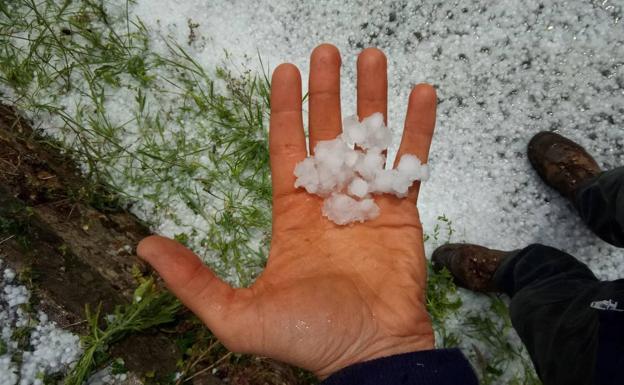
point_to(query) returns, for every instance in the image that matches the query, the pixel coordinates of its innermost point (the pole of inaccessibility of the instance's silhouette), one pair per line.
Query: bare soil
(69, 252)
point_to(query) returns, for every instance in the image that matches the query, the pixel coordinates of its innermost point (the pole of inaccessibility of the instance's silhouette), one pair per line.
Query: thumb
(210, 298)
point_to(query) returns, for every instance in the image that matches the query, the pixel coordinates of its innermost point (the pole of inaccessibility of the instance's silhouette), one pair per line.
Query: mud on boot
(471, 266)
(561, 163)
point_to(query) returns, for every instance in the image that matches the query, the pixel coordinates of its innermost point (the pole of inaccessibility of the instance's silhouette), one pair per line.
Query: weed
(491, 330)
(118, 366)
(14, 221)
(51, 378)
(151, 307)
(442, 296)
(199, 348)
(442, 231)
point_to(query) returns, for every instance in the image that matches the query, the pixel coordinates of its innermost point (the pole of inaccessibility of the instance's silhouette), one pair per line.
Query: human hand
(330, 296)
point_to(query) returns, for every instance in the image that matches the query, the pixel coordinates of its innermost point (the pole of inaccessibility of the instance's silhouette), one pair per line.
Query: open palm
(330, 295)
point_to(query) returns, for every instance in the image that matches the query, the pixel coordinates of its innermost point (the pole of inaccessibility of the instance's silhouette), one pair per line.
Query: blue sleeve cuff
(428, 367)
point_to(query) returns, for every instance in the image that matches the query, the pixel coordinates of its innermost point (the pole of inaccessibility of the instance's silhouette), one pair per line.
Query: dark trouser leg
(551, 293)
(601, 205)
(610, 355)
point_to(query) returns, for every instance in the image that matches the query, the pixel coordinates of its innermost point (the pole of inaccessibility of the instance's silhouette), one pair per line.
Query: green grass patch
(188, 140)
(151, 307)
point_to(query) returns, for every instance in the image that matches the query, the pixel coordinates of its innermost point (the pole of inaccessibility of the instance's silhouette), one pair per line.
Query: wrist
(384, 347)
(435, 366)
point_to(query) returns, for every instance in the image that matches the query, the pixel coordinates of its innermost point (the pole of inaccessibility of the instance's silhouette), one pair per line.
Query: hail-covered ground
(503, 72)
(42, 347)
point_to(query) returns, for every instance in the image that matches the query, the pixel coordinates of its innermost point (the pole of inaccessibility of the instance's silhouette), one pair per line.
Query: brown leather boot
(562, 164)
(472, 266)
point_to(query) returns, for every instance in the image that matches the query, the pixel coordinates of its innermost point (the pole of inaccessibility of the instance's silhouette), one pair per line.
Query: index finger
(419, 126)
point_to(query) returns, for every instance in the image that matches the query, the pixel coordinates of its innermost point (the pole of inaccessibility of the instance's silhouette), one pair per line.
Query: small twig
(9, 163)
(7, 239)
(209, 367)
(198, 360)
(59, 202)
(8, 173)
(71, 210)
(73, 324)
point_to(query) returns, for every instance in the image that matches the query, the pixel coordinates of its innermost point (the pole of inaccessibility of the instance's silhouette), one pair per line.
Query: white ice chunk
(350, 123)
(307, 175)
(358, 187)
(370, 165)
(352, 157)
(352, 130)
(401, 184)
(378, 136)
(371, 133)
(345, 176)
(330, 153)
(384, 181)
(342, 209)
(374, 122)
(409, 165)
